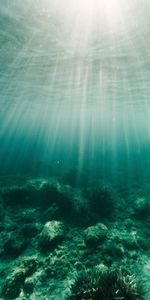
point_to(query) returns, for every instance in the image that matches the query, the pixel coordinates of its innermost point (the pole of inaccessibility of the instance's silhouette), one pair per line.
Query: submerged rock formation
(52, 234)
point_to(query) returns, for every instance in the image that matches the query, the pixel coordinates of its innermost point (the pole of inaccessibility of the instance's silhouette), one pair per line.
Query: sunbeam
(71, 73)
(74, 149)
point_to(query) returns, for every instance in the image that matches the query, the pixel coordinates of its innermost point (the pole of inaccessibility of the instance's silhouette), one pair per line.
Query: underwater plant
(108, 284)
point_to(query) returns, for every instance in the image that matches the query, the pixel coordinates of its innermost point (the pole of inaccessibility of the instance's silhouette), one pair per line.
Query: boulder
(15, 244)
(95, 235)
(28, 285)
(13, 284)
(52, 234)
(142, 208)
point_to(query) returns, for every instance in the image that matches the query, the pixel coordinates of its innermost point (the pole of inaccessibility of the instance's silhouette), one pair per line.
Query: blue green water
(73, 94)
(74, 143)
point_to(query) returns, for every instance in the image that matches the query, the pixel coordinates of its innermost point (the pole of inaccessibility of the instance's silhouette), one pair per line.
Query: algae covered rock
(28, 285)
(101, 200)
(29, 265)
(142, 208)
(19, 278)
(2, 210)
(51, 212)
(95, 235)
(14, 245)
(52, 233)
(13, 284)
(29, 230)
(16, 195)
(57, 265)
(112, 251)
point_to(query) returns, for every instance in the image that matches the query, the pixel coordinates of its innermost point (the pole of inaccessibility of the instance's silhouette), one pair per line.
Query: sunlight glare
(88, 10)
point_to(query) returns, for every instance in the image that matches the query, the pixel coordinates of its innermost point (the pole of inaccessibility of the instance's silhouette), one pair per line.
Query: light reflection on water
(73, 92)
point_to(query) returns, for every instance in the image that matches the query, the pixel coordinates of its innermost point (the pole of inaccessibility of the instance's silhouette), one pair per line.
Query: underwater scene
(74, 150)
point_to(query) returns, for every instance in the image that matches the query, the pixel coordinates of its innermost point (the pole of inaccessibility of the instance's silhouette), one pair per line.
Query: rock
(51, 213)
(18, 279)
(30, 265)
(28, 285)
(51, 234)
(14, 245)
(101, 200)
(57, 265)
(13, 284)
(113, 251)
(9, 225)
(142, 208)
(29, 230)
(81, 212)
(28, 215)
(95, 235)
(130, 242)
(2, 210)
(16, 195)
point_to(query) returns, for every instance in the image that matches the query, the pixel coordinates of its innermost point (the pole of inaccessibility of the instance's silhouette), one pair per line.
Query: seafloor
(61, 240)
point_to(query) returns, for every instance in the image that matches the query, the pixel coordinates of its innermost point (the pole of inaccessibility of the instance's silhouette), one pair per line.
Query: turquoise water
(74, 94)
(75, 106)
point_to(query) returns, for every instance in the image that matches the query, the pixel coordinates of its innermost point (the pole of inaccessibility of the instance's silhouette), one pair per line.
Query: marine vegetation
(107, 284)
